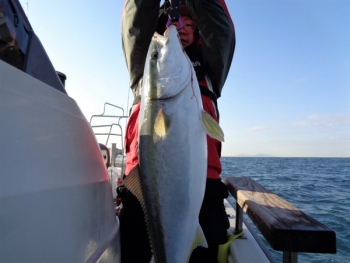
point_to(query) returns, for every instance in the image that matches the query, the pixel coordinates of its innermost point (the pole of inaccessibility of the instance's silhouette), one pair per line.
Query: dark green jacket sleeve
(218, 38)
(139, 22)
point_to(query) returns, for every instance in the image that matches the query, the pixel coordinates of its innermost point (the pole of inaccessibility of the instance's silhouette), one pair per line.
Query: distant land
(256, 155)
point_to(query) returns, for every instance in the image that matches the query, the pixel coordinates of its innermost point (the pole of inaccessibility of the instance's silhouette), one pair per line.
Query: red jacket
(132, 134)
(214, 27)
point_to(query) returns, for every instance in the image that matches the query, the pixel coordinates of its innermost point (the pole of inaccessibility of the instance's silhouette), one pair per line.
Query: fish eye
(154, 55)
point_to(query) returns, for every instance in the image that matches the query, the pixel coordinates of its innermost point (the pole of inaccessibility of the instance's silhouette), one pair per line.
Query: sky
(287, 93)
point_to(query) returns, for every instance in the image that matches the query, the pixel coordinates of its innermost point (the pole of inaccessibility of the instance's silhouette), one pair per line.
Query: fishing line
(194, 95)
(123, 147)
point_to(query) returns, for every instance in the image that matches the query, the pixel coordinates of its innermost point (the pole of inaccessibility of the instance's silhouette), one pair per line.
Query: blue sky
(288, 90)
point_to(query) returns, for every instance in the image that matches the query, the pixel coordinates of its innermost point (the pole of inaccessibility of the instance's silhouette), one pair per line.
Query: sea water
(320, 187)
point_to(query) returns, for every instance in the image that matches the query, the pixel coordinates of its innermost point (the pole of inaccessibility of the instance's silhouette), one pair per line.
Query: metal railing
(285, 227)
(114, 124)
(119, 117)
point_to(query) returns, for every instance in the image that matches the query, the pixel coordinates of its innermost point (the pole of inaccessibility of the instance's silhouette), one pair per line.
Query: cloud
(260, 128)
(327, 120)
(324, 122)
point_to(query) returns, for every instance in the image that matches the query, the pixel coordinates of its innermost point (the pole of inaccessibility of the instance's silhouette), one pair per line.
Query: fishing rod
(174, 12)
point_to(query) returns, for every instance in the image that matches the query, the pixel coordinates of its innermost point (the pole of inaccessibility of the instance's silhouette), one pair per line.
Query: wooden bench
(284, 226)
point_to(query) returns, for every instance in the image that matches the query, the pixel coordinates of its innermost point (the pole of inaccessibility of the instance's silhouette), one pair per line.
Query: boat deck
(244, 249)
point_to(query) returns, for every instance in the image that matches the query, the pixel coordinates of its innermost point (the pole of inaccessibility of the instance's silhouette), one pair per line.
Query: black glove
(122, 192)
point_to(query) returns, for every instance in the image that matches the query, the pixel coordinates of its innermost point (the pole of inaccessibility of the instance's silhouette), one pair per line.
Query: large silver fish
(170, 182)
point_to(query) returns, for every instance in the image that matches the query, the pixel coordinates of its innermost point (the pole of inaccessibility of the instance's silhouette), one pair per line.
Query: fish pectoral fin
(160, 126)
(212, 128)
(199, 240)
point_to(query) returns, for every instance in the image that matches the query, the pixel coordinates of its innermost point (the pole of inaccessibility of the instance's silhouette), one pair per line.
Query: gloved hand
(127, 198)
(121, 191)
(225, 192)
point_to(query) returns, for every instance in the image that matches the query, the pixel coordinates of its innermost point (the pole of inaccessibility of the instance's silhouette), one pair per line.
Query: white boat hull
(55, 194)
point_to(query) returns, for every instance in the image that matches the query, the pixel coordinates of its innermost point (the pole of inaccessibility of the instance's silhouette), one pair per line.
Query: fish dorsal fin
(199, 240)
(133, 183)
(212, 128)
(160, 126)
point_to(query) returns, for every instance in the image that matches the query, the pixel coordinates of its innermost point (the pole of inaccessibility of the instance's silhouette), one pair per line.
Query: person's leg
(134, 242)
(204, 255)
(214, 222)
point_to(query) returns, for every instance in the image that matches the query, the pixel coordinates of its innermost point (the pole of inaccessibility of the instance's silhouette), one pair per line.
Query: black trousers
(135, 245)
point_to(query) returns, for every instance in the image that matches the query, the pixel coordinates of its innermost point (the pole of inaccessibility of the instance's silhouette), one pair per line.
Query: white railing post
(113, 154)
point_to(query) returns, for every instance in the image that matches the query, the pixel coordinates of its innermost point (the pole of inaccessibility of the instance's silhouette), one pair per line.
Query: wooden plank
(284, 226)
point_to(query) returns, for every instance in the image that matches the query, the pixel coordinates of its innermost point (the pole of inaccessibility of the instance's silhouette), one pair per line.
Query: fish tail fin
(225, 248)
(212, 128)
(199, 240)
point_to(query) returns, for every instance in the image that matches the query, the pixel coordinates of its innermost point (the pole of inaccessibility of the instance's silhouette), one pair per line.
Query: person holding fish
(206, 32)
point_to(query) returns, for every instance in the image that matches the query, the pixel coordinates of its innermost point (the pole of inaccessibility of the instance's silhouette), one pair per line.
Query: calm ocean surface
(320, 187)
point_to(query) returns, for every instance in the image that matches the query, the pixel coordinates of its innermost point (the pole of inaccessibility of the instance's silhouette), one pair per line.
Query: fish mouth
(160, 40)
(173, 68)
(173, 28)
(163, 39)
